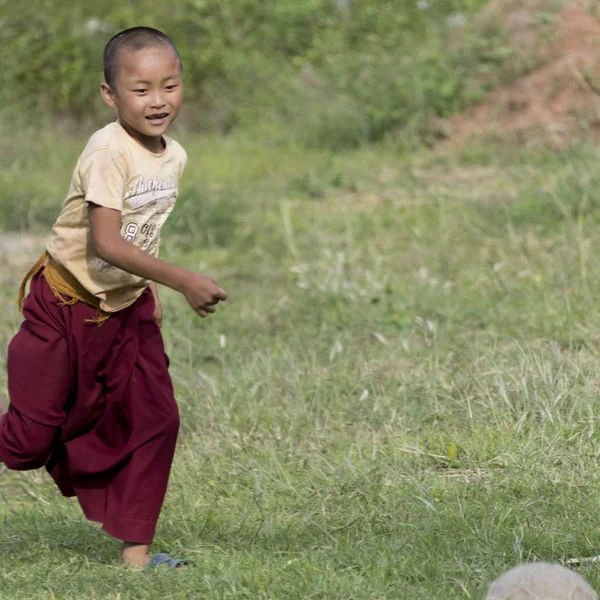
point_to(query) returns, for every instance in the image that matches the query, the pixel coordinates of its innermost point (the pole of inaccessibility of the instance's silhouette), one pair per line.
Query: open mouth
(158, 118)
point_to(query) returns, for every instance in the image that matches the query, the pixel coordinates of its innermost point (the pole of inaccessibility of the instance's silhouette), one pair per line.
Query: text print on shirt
(146, 207)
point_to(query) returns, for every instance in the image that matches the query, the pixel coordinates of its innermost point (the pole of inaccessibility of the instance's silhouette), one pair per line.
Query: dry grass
(399, 401)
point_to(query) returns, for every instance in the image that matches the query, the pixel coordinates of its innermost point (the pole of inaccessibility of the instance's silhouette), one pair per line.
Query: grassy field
(399, 400)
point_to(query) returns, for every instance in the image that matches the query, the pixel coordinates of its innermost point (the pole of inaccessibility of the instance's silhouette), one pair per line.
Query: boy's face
(147, 91)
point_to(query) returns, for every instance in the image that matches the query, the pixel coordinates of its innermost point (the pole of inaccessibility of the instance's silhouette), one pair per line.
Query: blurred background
(321, 75)
(334, 73)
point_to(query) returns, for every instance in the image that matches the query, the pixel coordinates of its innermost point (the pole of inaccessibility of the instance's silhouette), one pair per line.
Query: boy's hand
(202, 293)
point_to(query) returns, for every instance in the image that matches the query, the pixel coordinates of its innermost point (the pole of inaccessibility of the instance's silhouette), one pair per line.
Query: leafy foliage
(334, 73)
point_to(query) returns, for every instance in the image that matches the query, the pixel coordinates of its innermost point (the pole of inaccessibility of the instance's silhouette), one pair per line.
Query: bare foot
(135, 555)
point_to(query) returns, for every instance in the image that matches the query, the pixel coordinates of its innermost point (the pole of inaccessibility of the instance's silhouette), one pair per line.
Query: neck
(154, 144)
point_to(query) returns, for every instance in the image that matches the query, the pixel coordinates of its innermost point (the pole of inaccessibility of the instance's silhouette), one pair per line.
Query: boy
(91, 397)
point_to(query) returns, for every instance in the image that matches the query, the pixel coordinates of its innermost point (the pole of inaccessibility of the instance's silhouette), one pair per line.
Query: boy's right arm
(201, 291)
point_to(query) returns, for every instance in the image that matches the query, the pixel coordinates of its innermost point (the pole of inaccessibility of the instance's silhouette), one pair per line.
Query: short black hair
(135, 38)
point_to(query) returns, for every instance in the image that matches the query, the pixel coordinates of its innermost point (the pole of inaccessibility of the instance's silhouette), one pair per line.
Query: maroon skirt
(95, 406)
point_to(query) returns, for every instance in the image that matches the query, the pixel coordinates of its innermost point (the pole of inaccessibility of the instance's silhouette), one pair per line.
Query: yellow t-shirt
(117, 172)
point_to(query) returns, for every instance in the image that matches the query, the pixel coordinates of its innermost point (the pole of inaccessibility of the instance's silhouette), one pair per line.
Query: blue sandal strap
(168, 561)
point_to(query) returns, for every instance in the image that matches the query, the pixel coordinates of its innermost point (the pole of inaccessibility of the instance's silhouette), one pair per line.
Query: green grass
(399, 400)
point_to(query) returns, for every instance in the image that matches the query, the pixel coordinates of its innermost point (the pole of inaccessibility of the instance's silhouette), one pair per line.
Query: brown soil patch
(561, 97)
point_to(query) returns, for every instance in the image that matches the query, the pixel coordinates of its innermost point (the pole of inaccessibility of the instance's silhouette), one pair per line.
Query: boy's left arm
(158, 311)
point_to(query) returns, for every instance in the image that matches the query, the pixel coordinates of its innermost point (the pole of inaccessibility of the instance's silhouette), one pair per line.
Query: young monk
(90, 394)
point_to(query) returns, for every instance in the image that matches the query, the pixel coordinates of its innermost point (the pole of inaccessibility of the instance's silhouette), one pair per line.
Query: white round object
(541, 581)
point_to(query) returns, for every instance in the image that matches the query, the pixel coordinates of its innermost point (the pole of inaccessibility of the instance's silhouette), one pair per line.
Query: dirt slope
(558, 99)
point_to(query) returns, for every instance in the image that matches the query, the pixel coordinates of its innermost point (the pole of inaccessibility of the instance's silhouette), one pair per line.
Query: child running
(91, 398)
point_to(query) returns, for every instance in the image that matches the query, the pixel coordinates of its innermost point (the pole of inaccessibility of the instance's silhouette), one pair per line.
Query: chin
(158, 131)
(155, 132)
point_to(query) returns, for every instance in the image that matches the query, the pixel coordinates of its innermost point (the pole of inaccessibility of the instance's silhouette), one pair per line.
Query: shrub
(336, 73)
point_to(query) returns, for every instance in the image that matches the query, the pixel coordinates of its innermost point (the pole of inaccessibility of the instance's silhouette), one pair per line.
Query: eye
(140, 91)
(171, 87)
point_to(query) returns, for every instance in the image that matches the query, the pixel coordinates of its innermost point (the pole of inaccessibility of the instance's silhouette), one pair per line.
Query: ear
(108, 95)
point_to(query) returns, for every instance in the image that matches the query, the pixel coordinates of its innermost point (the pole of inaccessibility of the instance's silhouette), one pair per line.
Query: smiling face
(147, 92)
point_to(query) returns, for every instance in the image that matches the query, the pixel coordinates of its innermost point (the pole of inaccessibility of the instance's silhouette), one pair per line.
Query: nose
(156, 101)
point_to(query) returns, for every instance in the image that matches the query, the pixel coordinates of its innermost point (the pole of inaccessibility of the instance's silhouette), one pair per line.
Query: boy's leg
(136, 494)
(137, 434)
(38, 384)
(119, 464)
(24, 444)
(138, 491)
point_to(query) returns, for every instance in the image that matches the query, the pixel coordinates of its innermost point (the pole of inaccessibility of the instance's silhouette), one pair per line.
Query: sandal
(164, 559)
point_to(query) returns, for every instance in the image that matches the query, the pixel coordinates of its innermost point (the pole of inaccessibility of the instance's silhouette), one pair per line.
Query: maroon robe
(95, 406)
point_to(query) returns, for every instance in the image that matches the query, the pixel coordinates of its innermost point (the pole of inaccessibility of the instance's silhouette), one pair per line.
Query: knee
(24, 445)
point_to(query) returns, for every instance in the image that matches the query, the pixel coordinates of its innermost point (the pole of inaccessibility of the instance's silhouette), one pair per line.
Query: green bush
(332, 76)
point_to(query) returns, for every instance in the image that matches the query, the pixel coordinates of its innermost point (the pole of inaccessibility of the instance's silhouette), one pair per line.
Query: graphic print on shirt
(131, 232)
(145, 209)
(140, 193)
